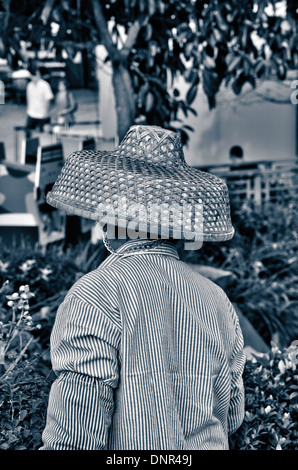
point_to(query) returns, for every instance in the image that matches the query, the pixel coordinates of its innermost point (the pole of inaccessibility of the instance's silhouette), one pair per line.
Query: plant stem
(12, 333)
(17, 360)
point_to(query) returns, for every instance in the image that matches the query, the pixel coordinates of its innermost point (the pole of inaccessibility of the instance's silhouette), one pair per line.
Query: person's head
(35, 73)
(236, 153)
(62, 85)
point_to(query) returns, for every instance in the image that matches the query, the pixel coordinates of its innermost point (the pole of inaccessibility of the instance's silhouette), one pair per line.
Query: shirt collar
(164, 248)
(130, 248)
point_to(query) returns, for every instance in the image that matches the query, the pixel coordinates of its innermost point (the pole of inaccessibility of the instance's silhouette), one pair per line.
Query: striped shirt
(148, 356)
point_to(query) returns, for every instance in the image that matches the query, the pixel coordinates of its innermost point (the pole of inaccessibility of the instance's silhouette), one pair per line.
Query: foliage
(50, 275)
(22, 386)
(271, 403)
(25, 371)
(16, 329)
(23, 405)
(263, 257)
(150, 42)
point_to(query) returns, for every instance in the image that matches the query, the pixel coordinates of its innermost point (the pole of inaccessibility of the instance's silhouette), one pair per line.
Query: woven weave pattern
(152, 144)
(148, 168)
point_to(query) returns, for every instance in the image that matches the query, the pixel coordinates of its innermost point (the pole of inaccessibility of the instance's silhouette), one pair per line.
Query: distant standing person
(65, 106)
(39, 96)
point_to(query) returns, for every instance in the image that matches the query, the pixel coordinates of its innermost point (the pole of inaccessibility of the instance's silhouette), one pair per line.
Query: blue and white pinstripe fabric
(149, 356)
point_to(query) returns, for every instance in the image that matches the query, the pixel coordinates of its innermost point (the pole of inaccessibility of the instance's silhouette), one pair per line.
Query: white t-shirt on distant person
(39, 95)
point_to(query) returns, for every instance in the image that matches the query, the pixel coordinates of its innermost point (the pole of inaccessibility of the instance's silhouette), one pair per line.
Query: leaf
(191, 94)
(188, 49)
(36, 436)
(46, 11)
(151, 7)
(193, 111)
(148, 33)
(149, 102)
(220, 21)
(234, 63)
(4, 446)
(217, 35)
(187, 127)
(263, 360)
(22, 415)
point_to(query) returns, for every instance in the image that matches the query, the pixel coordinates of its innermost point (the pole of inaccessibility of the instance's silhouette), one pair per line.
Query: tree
(149, 42)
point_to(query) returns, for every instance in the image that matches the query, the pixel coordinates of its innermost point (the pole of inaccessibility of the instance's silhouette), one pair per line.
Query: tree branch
(133, 34)
(46, 11)
(103, 29)
(5, 20)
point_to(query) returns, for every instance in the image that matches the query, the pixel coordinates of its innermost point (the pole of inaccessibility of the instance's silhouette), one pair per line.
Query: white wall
(264, 129)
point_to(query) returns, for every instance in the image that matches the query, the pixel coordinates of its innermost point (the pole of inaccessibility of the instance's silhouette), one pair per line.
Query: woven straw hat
(147, 170)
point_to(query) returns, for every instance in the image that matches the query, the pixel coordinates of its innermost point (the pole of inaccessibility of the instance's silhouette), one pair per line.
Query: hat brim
(94, 184)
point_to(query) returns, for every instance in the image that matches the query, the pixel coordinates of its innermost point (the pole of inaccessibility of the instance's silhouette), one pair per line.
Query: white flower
(3, 266)
(27, 265)
(258, 266)
(24, 288)
(267, 409)
(45, 272)
(25, 292)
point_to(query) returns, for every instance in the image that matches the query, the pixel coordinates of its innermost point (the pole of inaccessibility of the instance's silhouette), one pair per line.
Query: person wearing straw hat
(148, 353)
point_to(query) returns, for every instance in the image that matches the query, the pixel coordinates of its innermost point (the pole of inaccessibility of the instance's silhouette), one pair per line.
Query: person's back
(39, 95)
(65, 105)
(180, 349)
(179, 338)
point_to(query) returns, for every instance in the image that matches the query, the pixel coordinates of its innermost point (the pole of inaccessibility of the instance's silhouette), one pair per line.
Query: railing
(265, 181)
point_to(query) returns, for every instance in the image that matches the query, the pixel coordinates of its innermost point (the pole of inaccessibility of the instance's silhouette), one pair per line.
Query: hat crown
(153, 144)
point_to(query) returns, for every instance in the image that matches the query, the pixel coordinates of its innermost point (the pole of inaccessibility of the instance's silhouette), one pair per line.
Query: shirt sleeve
(234, 345)
(49, 95)
(84, 353)
(237, 364)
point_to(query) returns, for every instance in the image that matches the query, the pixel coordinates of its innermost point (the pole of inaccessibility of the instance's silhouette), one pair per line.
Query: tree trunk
(125, 103)
(4, 20)
(6, 7)
(124, 96)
